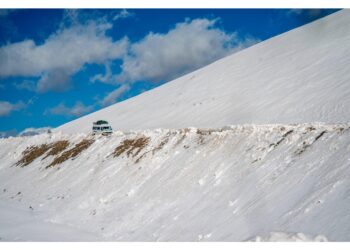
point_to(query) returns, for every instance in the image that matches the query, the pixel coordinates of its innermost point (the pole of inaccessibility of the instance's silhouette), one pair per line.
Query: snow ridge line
(139, 144)
(234, 128)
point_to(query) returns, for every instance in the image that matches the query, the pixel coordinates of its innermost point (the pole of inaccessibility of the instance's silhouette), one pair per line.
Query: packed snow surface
(228, 184)
(299, 76)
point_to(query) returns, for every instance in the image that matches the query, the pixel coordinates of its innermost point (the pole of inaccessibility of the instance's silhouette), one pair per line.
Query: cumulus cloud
(155, 58)
(56, 80)
(122, 15)
(76, 110)
(7, 108)
(113, 96)
(188, 46)
(61, 55)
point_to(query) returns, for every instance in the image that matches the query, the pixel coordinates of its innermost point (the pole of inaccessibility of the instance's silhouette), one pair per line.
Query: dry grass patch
(32, 153)
(78, 148)
(131, 146)
(57, 147)
(164, 141)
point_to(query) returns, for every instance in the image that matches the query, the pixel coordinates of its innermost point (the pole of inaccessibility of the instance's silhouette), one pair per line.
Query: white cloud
(156, 58)
(61, 55)
(57, 80)
(34, 131)
(190, 45)
(113, 96)
(7, 108)
(106, 78)
(122, 15)
(25, 132)
(77, 110)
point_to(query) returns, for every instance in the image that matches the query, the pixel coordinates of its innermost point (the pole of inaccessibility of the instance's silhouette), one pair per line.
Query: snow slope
(299, 76)
(161, 180)
(228, 184)
(19, 223)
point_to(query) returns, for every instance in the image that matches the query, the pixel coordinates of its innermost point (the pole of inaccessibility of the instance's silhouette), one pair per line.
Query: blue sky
(57, 65)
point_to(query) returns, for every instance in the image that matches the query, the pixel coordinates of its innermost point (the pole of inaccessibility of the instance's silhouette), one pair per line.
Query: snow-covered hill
(233, 183)
(160, 179)
(300, 76)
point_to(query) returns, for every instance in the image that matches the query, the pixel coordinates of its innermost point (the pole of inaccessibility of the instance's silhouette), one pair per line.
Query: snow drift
(226, 184)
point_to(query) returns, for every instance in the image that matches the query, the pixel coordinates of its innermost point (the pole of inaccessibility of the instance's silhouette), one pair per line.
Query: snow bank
(225, 184)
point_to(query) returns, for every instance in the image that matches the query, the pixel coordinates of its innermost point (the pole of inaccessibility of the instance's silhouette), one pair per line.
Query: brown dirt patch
(32, 153)
(57, 147)
(131, 146)
(78, 148)
(164, 141)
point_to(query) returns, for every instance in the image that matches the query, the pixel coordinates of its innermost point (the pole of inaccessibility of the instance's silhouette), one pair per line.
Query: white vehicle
(101, 127)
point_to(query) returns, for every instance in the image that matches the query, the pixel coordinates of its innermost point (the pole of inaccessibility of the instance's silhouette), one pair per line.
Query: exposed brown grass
(32, 153)
(57, 147)
(164, 141)
(131, 146)
(78, 148)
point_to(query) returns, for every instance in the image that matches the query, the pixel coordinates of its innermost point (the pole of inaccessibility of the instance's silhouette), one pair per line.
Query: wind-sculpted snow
(227, 184)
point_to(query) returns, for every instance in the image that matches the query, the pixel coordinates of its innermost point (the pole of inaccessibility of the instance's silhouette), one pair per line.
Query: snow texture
(174, 170)
(228, 184)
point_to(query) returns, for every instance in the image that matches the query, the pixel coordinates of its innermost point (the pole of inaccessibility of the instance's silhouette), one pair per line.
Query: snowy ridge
(226, 184)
